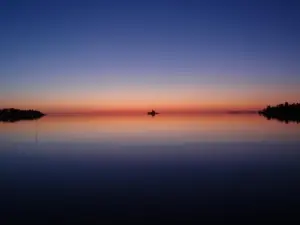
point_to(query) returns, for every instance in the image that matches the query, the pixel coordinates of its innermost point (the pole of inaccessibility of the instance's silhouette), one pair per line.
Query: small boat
(152, 113)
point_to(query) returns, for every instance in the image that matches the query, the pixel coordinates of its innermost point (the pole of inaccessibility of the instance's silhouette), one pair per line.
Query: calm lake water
(103, 169)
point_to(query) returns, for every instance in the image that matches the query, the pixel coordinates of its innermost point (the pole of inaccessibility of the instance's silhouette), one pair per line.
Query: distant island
(13, 115)
(242, 112)
(283, 112)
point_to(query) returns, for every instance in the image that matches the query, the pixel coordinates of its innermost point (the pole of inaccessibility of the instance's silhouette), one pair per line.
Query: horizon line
(117, 111)
(140, 112)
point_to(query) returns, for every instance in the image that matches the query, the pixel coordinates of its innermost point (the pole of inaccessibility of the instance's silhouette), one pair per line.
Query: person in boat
(152, 113)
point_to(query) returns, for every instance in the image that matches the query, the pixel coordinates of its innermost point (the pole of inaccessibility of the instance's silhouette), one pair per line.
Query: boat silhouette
(152, 113)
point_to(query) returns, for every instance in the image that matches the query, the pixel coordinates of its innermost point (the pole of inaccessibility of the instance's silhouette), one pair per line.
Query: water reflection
(283, 119)
(164, 129)
(164, 167)
(14, 120)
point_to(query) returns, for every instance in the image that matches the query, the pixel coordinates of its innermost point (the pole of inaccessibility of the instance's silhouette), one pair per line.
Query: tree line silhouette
(13, 115)
(283, 112)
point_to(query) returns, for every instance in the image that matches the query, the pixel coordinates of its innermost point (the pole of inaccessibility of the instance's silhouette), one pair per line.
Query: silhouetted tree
(284, 112)
(12, 115)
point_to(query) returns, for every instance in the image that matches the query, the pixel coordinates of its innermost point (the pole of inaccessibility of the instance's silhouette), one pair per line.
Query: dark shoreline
(14, 115)
(283, 112)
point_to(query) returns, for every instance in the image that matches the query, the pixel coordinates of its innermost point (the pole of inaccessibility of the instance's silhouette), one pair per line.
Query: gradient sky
(71, 56)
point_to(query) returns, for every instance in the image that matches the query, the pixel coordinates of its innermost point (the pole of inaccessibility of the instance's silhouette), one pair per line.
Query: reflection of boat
(152, 113)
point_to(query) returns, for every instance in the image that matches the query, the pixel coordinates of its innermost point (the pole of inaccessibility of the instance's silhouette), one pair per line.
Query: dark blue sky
(192, 53)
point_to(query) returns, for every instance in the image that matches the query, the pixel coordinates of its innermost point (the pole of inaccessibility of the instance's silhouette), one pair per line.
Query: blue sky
(99, 54)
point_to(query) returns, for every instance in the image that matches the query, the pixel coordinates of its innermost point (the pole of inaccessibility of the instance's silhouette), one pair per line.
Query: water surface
(100, 169)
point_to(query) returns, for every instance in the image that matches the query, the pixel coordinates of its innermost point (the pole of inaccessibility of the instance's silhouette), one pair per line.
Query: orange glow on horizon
(208, 98)
(138, 109)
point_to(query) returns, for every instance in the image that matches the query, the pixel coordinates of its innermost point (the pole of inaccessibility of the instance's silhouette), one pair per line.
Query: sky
(92, 56)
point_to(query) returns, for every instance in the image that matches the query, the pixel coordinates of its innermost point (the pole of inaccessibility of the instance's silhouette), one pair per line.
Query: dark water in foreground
(229, 169)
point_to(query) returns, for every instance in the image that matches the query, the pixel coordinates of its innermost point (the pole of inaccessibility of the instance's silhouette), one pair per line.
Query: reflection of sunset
(143, 128)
